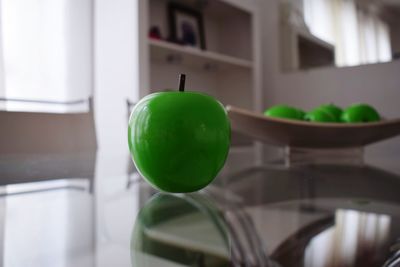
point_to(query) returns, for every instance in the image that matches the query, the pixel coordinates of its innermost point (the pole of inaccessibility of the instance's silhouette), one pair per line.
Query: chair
(41, 146)
(34, 132)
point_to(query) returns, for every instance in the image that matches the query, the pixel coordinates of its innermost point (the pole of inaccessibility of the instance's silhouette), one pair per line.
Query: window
(46, 54)
(359, 36)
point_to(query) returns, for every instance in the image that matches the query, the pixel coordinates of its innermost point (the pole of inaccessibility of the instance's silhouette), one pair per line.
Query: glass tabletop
(97, 211)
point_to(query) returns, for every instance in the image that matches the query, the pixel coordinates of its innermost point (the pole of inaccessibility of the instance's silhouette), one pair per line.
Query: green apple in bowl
(285, 112)
(333, 109)
(179, 140)
(358, 113)
(320, 115)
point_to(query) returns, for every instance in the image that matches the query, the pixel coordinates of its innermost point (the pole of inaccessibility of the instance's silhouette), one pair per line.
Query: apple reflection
(184, 230)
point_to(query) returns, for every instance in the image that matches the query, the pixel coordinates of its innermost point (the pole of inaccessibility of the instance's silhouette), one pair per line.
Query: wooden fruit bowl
(293, 133)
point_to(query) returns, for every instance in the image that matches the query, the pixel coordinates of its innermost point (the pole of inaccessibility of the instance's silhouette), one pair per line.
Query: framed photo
(186, 26)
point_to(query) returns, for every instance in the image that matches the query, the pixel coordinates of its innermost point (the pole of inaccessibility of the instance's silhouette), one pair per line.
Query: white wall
(2, 82)
(116, 79)
(116, 67)
(377, 84)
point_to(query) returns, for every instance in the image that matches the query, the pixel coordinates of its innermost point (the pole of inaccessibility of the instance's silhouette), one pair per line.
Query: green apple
(333, 109)
(302, 114)
(284, 111)
(320, 115)
(360, 113)
(179, 140)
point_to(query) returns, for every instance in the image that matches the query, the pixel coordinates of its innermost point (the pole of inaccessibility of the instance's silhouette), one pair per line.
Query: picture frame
(186, 26)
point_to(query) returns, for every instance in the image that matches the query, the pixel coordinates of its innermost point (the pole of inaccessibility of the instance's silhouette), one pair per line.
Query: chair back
(35, 132)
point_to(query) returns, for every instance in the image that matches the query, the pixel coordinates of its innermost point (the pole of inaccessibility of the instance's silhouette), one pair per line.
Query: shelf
(301, 50)
(194, 57)
(312, 38)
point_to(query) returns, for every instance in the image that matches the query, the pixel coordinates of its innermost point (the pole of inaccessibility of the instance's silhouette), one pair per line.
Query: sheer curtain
(318, 16)
(375, 34)
(346, 33)
(45, 49)
(359, 36)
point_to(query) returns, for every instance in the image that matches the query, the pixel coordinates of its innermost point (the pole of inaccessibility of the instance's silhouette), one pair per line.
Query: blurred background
(55, 55)
(71, 71)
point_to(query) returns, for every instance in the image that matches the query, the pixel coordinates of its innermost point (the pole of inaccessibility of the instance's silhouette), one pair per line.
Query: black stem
(182, 79)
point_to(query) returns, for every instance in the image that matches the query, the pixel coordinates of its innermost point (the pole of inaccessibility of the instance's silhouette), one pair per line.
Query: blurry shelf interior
(227, 69)
(194, 57)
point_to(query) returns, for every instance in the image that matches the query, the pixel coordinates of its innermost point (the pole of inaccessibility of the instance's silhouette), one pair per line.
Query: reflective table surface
(95, 210)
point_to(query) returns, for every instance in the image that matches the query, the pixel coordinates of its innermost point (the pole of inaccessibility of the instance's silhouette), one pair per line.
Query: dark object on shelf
(155, 33)
(186, 26)
(175, 41)
(188, 34)
(396, 55)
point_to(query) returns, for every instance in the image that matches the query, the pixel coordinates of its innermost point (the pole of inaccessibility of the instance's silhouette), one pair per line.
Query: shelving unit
(230, 67)
(193, 57)
(300, 49)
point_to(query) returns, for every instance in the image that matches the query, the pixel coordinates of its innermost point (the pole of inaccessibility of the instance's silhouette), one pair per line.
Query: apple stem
(182, 79)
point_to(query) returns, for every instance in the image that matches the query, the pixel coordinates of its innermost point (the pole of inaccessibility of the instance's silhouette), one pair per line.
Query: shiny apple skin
(359, 113)
(284, 112)
(320, 115)
(179, 141)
